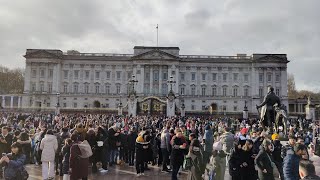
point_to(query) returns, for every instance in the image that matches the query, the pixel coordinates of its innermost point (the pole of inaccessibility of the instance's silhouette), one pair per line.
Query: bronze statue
(268, 113)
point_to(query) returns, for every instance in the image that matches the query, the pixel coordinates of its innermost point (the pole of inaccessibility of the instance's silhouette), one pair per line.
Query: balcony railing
(98, 54)
(214, 57)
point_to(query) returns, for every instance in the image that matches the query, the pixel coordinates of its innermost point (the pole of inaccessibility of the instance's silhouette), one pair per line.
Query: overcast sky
(209, 27)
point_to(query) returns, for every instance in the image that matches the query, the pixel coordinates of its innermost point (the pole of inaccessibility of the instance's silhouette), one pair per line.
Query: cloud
(220, 27)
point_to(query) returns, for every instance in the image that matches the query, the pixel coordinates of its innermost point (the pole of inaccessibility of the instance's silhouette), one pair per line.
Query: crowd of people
(205, 147)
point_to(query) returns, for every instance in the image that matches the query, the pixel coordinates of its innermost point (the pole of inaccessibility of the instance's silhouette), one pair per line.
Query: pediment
(272, 58)
(155, 54)
(42, 54)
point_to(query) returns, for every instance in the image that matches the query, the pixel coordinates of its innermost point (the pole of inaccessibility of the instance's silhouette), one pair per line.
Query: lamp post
(132, 81)
(58, 104)
(171, 82)
(120, 106)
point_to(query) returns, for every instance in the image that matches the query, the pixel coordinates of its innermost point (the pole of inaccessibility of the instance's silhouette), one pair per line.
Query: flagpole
(157, 35)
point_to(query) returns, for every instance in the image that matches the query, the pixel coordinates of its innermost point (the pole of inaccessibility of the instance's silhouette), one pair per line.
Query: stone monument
(310, 110)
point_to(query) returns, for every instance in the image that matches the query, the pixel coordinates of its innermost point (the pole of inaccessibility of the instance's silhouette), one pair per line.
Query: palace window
(155, 75)
(108, 74)
(214, 91)
(97, 75)
(42, 74)
(261, 77)
(260, 92)
(224, 91)
(87, 73)
(118, 86)
(75, 105)
(193, 90)
(182, 76)
(193, 76)
(277, 91)
(246, 92)
(235, 108)
(269, 77)
(235, 91)
(50, 73)
(75, 88)
(118, 75)
(97, 88)
(203, 107)
(165, 76)
(214, 77)
(277, 77)
(76, 74)
(50, 87)
(246, 77)
(203, 91)
(34, 73)
(182, 90)
(86, 88)
(65, 72)
(33, 87)
(193, 107)
(65, 88)
(235, 77)
(224, 77)
(41, 87)
(204, 75)
(164, 89)
(107, 89)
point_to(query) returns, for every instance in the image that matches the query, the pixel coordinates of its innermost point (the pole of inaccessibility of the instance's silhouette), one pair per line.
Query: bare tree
(11, 80)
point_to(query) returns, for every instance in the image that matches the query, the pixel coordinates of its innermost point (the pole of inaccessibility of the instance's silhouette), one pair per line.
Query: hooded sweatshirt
(49, 146)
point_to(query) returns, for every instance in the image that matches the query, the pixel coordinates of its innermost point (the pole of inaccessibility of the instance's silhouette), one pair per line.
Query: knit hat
(274, 136)
(266, 142)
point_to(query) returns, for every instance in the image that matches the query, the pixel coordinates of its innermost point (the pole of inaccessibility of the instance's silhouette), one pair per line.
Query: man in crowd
(307, 171)
(291, 162)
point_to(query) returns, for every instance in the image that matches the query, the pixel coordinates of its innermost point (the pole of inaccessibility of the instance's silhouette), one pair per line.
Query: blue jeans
(113, 153)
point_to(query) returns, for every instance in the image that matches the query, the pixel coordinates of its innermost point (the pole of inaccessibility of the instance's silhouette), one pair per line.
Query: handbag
(85, 149)
(22, 174)
(275, 170)
(187, 164)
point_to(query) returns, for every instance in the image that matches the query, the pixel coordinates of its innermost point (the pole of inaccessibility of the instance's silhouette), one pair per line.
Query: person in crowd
(13, 162)
(288, 148)
(247, 169)
(276, 154)
(65, 158)
(197, 169)
(165, 148)
(257, 143)
(132, 136)
(291, 162)
(307, 170)
(99, 144)
(25, 141)
(41, 134)
(113, 137)
(264, 161)
(142, 144)
(235, 161)
(49, 146)
(6, 140)
(78, 166)
(179, 145)
(216, 167)
(227, 140)
(207, 143)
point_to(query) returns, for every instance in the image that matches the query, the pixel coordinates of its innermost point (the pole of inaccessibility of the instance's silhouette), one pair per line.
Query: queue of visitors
(72, 145)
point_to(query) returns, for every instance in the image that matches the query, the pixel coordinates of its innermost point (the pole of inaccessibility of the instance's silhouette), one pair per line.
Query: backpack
(22, 174)
(85, 149)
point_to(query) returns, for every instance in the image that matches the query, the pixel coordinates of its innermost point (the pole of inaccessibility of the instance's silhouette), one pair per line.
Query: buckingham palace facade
(222, 84)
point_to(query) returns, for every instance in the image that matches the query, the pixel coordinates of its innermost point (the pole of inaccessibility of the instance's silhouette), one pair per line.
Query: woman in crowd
(235, 161)
(142, 145)
(65, 160)
(197, 161)
(49, 147)
(264, 161)
(217, 162)
(179, 145)
(25, 142)
(13, 162)
(78, 166)
(247, 169)
(276, 154)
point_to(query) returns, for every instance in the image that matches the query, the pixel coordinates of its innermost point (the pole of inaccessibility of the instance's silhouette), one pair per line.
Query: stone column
(151, 80)
(11, 102)
(132, 106)
(120, 109)
(160, 80)
(27, 77)
(19, 101)
(3, 101)
(171, 104)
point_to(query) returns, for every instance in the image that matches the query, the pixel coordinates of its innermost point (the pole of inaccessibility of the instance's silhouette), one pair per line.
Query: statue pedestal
(183, 113)
(120, 110)
(310, 113)
(245, 114)
(171, 108)
(132, 107)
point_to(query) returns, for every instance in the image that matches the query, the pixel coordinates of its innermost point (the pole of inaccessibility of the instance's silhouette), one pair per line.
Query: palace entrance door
(152, 106)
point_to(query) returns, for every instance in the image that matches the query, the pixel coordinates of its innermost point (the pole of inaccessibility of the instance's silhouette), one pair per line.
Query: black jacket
(6, 147)
(276, 154)
(311, 177)
(263, 162)
(132, 140)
